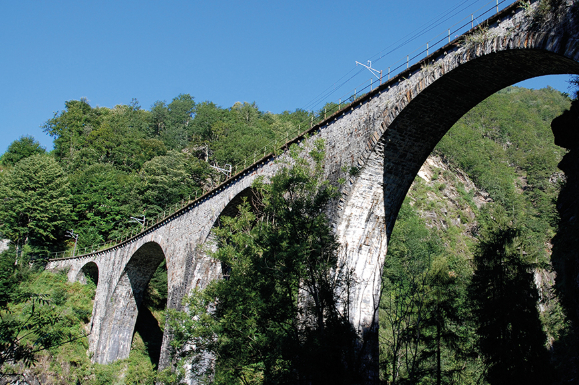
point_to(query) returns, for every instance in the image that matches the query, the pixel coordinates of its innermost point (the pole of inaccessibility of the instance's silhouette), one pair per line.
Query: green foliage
(511, 337)
(170, 122)
(32, 323)
(102, 197)
(506, 146)
(517, 122)
(19, 149)
(126, 161)
(424, 330)
(29, 331)
(35, 208)
(8, 278)
(166, 179)
(157, 292)
(71, 126)
(48, 334)
(278, 317)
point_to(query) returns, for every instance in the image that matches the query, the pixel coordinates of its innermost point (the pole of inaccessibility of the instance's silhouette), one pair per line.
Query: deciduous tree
(279, 316)
(35, 206)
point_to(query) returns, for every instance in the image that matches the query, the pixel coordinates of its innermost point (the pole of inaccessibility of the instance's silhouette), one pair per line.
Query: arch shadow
(231, 210)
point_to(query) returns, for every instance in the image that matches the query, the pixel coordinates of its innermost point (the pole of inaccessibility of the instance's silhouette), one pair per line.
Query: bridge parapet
(426, 63)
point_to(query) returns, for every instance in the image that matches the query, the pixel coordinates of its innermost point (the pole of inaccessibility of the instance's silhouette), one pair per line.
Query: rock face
(4, 244)
(386, 135)
(566, 243)
(451, 196)
(565, 255)
(566, 128)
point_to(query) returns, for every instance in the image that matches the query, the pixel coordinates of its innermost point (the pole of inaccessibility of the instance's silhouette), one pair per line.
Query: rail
(326, 115)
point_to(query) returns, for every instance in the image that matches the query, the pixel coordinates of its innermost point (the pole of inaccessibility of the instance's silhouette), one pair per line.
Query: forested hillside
(109, 164)
(487, 194)
(493, 180)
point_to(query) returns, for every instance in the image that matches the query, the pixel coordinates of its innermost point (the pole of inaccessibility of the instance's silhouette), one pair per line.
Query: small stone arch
(88, 273)
(118, 325)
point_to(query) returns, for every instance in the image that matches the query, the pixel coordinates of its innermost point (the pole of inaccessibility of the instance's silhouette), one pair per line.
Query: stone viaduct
(387, 134)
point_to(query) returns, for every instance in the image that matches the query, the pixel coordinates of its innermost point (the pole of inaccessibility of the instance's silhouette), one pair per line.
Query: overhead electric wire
(462, 26)
(434, 24)
(425, 28)
(318, 100)
(323, 95)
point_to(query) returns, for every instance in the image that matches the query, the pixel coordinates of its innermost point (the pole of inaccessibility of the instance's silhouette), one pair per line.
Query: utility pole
(72, 234)
(139, 221)
(373, 71)
(224, 170)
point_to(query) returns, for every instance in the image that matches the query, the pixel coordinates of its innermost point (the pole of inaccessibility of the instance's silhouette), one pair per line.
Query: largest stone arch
(386, 135)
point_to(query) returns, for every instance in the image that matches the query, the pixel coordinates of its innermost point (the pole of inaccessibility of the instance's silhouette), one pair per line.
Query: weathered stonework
(387, 134)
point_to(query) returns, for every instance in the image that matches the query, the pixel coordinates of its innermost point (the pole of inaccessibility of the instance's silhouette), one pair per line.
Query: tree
(121, 139)
(511, 337)
(425, 333)
(279, 316)
(447, 334)
(35, 206)
(170, 122)
(403, 306)
(70, 127)
(206, 114)
(22, 148)
(29, 322)
(166, 180)
(28, 332)
(103, 199)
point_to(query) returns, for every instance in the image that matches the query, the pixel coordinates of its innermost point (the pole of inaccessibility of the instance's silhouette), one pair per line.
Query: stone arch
(90, 271)
(231, 209)
(421, 124)
(118, 325)
(427, 105)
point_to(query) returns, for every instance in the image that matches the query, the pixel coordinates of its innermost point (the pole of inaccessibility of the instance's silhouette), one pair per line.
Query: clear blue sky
(282, 55)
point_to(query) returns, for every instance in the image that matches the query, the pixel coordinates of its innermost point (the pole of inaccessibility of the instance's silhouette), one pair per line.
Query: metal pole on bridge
(72, 234)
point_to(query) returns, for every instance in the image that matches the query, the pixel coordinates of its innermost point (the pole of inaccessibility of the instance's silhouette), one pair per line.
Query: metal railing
(421, 54)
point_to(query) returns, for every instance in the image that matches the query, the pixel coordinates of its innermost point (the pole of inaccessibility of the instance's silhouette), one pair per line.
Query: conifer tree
(19, 149)
(505, 297)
